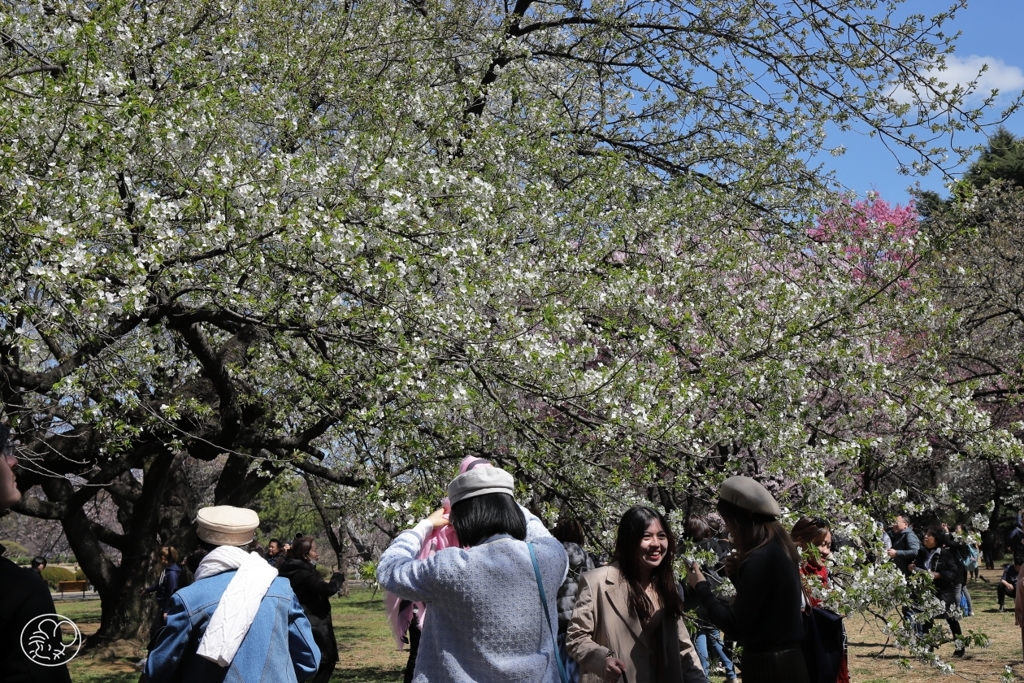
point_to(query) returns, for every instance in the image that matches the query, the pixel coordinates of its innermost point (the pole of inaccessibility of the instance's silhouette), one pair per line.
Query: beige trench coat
(601, 622)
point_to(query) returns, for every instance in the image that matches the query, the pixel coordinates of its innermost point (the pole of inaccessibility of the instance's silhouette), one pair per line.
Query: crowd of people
(623, 620)
(481, 591)
(263, 615)
(554, 619)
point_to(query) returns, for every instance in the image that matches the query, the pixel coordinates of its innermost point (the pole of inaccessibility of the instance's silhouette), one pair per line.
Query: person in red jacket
(813, 537)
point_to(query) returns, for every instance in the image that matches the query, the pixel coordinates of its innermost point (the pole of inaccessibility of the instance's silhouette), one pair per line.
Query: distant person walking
(765, 615)
(1015, 539)
(38, 564)
(905, 544)
(165, 586)
(628, 620)
(23, 593)
(314, 595)
(239, 621)
(488, 617)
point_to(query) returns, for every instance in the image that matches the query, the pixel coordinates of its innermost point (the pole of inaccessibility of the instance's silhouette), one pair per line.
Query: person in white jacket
(484, 620)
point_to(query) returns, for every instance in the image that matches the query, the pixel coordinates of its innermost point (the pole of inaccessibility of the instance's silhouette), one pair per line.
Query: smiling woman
(631, 609)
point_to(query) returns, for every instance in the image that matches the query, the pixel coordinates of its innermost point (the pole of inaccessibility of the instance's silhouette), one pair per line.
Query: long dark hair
(752, 530)
(170, 553)
(569, 530)
(632, 527)
(810, 531)
(697, 529)
(478, 518)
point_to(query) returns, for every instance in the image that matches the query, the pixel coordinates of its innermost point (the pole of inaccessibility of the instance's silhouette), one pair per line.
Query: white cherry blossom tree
(361, 240)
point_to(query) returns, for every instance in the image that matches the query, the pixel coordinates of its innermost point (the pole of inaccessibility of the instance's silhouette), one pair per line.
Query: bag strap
(547, 615)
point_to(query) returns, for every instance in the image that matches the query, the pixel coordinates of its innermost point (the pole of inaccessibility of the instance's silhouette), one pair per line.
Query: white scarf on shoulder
(238, 605)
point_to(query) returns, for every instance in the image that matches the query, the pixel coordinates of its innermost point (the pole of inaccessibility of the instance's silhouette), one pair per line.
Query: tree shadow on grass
(368, 674)
(87, 676)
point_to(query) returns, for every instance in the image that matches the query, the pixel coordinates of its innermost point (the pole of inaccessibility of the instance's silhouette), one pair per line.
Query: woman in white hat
(239, 621)
(486, 618)
(765, 615)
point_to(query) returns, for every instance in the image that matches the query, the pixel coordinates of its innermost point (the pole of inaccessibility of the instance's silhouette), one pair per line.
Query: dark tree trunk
(362, 549)
(127, 615)
(126, 612)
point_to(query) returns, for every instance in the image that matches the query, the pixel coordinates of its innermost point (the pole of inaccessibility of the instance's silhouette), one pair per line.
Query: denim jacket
(279, 646)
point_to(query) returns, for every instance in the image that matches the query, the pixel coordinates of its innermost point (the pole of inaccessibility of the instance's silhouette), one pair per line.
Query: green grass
(80, 611)
(81, 674)
(366, 648)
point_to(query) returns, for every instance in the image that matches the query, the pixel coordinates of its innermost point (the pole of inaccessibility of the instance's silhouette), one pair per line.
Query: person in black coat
(569, 532)
(948, 575)
(23, 594)
(314, 595)
(765, 615)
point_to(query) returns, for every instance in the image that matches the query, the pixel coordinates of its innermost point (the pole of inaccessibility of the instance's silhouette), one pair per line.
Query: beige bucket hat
(227, 525)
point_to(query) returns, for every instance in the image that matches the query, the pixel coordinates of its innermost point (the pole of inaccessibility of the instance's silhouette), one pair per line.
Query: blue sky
(991, 32)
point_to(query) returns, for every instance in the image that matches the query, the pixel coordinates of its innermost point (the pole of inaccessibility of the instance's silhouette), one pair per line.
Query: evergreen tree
(1002, 159)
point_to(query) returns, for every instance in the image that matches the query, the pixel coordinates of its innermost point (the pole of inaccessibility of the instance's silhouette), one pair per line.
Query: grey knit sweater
(484, 622)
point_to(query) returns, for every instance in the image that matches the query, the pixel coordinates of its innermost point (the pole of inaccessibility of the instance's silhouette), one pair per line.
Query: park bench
(72, 586)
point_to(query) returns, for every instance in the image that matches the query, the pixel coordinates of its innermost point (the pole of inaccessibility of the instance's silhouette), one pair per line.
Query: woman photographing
(627, 624)
(765, 615)
(487, 618)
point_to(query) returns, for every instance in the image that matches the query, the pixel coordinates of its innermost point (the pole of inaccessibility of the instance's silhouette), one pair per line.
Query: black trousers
(1002, 592)
(414, 647)
(954, 627)
(328, 656)
(781, 666)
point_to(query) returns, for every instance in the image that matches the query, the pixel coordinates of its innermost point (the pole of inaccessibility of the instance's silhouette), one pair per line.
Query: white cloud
(1007, 79)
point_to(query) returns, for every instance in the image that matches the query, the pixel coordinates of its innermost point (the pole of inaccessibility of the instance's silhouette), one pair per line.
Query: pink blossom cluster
(872, 232)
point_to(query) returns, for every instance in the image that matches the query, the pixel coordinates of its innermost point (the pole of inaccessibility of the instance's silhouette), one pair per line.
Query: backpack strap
(547, 615)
